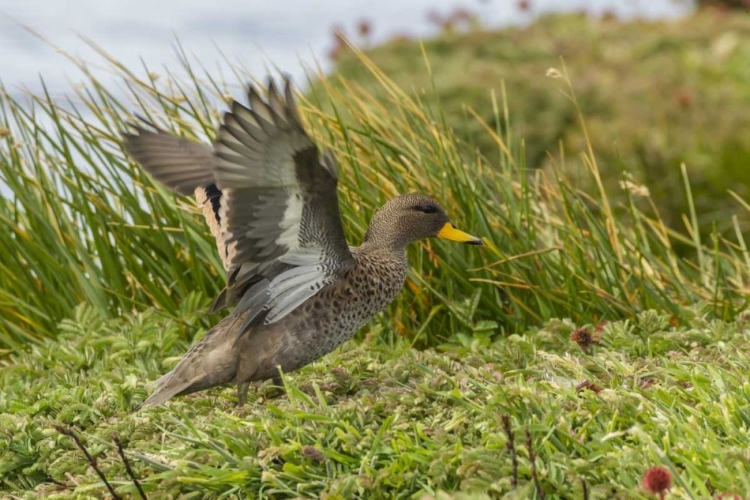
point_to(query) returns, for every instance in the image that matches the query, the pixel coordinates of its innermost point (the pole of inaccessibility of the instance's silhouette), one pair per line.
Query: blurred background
(661, 82)
(255, 33)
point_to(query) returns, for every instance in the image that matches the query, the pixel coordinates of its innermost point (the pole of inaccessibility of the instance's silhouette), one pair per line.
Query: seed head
(584, 338)
(587, 384)
(364, 28)
(657, 480)
(313, 453)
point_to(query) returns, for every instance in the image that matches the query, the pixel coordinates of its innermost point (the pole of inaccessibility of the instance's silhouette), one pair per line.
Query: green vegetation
(106, 279)
(655, 95)
(85, 225)
(374, 421)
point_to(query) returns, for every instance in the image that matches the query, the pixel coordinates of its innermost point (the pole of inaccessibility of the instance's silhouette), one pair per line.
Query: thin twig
(511, 449)
(92, 460)
(534, 475)
(710, 487)
(125, 461)
(58, 483)
(585, 489)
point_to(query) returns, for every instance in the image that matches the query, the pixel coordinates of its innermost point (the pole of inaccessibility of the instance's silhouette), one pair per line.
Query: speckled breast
(338, 311)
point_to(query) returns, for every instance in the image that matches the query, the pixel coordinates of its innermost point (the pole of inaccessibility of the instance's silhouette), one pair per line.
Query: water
(255, 32)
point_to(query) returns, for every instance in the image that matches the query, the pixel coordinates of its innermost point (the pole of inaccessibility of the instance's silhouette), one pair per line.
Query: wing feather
(270, 199)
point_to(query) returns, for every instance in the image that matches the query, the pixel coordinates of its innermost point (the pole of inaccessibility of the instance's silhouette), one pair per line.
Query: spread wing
(181, 164)
(273, 200)
(178, 163)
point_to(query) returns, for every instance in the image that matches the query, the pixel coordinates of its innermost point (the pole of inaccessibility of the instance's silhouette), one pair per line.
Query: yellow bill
(450, 232)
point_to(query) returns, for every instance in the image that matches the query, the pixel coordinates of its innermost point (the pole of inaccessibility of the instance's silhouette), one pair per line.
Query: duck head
(412, 217)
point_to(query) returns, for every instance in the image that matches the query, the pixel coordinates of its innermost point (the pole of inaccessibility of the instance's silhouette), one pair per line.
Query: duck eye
(428, 209)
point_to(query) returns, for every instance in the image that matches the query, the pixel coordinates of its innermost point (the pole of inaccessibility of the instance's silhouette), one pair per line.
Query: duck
(269, 196)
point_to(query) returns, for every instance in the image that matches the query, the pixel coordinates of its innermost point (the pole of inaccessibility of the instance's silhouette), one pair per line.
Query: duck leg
(242, 389)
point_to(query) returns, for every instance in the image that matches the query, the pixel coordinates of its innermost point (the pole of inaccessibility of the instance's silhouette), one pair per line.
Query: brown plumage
(270, 199)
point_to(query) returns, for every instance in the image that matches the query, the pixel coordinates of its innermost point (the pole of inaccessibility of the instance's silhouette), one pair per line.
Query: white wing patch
(295, 277)
(290, 223)
(293, 287)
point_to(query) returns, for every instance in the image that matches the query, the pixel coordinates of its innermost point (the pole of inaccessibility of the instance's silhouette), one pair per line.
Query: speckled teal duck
(297, 288)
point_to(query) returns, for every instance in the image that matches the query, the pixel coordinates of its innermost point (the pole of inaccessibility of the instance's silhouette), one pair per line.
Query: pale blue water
(251, 31)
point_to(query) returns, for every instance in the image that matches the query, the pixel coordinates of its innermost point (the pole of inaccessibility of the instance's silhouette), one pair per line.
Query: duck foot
(273, 391)
(276, 389)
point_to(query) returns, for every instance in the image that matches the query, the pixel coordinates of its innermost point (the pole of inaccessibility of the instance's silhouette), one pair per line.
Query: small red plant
(657, 480)
(312, 453)
(582, 337)
(339, 43)
(587, 384)
(364, 28)
(585, 339)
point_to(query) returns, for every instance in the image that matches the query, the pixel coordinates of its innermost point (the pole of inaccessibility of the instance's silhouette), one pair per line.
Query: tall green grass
(83, 224)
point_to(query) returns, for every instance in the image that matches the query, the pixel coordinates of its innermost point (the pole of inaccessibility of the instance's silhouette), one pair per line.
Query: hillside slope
(654, 94)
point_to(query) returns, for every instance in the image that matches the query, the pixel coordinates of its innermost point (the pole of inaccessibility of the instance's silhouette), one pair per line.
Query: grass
(108, 278)
(373, 421)
(83, 224)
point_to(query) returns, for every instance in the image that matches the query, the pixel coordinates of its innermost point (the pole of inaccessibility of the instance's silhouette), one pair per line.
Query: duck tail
(165, 391)
(210, 363)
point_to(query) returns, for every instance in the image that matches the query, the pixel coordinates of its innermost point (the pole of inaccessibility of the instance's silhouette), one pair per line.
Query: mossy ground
(376, 421)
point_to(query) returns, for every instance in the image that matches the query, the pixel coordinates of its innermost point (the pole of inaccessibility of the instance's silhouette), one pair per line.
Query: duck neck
(388, 240)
